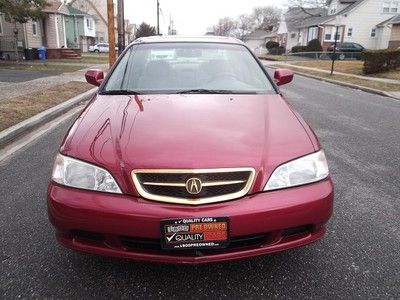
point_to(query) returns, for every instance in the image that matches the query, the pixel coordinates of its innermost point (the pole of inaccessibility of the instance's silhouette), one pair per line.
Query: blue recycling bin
(42, 53)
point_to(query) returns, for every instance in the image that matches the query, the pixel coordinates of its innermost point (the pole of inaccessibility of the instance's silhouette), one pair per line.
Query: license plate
(195, 233)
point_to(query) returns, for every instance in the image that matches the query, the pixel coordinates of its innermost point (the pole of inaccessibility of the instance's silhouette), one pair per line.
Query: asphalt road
(358, 259)
(10, 75)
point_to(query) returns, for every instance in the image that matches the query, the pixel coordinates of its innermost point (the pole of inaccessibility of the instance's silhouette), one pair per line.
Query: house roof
(74, 11)
(297, 17)
(257, 35)
(395, 20)
(301, 19)
(52, 6)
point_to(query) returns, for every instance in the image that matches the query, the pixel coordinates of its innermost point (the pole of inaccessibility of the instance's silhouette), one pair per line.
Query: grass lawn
(389, 87)
(15, 110)
(38, 66)
(351, 67)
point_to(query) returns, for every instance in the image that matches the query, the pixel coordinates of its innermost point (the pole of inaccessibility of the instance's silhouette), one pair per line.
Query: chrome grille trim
(141, 186)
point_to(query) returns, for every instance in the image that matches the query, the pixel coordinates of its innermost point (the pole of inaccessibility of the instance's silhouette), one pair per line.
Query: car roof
(186, 39)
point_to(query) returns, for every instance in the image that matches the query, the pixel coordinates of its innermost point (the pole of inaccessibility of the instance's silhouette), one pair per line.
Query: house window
(312, 33)
(89, 23)
(391, 7)
(349, 32)
(34, 28)
(373, 32)
(330, 32)
(292, 36)
(394, 8)
(1, 25)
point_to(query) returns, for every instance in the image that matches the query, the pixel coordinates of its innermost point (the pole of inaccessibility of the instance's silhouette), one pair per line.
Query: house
(293, 27)
(50, 32)
(80, 29)
(366, 22)
(394, 40)
(98, 10)
(257, 39)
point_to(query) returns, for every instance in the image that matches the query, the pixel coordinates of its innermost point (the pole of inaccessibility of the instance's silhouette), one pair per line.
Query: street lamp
(338, 22)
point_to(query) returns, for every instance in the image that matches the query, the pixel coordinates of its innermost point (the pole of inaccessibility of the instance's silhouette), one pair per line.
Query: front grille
(155, 245)
(195, 186)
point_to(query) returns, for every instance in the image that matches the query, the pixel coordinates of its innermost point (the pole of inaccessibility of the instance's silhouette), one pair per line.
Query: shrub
(376, 61)
(277, 50)
(314, 46)
(297, 49)
(271, 45)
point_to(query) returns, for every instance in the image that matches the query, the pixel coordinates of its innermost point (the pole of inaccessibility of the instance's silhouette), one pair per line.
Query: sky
(191, 17)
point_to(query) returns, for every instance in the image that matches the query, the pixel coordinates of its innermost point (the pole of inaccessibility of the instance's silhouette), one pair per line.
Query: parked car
(101, 48)
(192, 157)
(346, 50)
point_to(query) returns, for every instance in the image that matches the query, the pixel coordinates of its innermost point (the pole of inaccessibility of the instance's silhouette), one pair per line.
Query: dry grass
(389, 87)
(350, 67)
(273, 57)
(20, 108)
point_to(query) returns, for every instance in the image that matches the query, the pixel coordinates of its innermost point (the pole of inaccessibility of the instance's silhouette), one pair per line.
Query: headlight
(307, 169)
(75, 173)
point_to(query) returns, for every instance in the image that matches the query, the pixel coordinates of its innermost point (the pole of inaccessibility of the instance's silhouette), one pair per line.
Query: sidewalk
(10, 90)
(395, 94)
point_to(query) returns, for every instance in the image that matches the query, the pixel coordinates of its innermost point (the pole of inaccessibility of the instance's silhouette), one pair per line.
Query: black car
(346, 50)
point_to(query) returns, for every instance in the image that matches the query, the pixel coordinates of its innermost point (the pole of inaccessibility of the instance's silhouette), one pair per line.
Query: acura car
(189, 153)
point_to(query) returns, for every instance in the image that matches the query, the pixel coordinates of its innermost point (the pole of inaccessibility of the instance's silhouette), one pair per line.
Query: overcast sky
(190, 16)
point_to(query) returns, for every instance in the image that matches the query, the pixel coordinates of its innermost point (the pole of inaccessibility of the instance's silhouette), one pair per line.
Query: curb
(349, 85)
(10, 134)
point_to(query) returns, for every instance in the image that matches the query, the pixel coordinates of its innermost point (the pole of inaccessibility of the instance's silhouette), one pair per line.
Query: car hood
(122, 133)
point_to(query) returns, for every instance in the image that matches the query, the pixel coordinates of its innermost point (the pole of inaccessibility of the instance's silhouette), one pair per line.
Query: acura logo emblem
(194, 186)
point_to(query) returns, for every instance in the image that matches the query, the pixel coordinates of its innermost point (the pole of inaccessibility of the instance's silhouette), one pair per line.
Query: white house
(257, 40)
(366, 22)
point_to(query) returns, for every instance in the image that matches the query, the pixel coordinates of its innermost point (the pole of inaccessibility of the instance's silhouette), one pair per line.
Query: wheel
(342, 56)
(96, 51)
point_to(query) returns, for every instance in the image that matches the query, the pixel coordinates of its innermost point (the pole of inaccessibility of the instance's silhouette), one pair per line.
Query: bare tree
(245, 24)
(225, 27)
(266, 17)
(306, 5)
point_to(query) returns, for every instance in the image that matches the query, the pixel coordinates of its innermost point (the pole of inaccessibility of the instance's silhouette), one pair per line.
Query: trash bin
(28, 53)
(42, 53)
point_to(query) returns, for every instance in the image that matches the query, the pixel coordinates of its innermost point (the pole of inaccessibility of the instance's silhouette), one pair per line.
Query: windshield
(188, 67)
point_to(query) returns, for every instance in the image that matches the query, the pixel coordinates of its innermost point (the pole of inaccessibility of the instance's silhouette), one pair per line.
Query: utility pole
(121, 27)
(111, 32)
(158, 17)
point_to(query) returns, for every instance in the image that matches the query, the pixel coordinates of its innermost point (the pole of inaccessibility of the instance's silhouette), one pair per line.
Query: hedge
(297, 49)
(271, 45)
(376, 61)
(314, 46)
(277, 50)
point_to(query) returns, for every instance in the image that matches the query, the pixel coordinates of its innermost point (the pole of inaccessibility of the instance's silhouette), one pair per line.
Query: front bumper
(128, 227)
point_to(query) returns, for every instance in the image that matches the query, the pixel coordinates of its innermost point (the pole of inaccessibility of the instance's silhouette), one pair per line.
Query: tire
(97, 51)
(342, 57)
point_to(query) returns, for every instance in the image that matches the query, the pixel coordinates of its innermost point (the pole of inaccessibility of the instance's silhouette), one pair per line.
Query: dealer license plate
(195, 233)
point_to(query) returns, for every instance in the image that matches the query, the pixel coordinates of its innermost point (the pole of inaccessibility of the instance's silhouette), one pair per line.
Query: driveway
(358, 259)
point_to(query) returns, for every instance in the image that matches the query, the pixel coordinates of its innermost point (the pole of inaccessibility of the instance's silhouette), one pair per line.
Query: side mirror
(283, 76)
(94, 77)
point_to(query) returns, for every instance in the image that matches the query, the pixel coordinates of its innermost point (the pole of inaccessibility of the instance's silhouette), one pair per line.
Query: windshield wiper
(205, 91)
(120, 92)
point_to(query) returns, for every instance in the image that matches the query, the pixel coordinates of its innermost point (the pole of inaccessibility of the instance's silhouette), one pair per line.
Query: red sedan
(188, 153)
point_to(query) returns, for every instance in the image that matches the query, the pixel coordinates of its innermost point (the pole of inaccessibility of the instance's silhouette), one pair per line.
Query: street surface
(358, 259)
